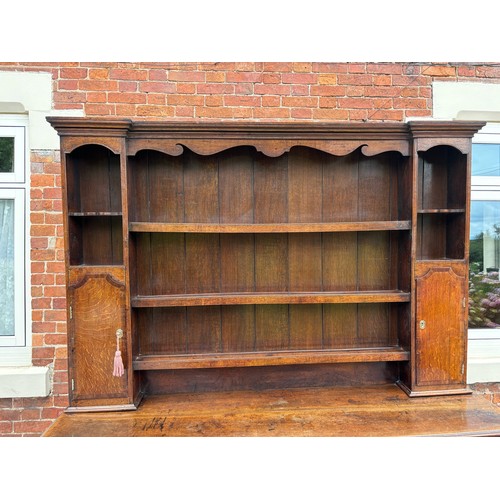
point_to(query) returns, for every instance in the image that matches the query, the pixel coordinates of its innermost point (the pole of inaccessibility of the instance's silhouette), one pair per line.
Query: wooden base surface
(339, 411)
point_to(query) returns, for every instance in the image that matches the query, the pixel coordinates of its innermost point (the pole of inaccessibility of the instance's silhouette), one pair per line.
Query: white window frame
(19, 337)
(18, 133)
(486, 188)
(16, 350)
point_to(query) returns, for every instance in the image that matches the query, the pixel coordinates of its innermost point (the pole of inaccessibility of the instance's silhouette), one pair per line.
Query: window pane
(6, 267)
(6, 154)
(486, 159)
(484, 294)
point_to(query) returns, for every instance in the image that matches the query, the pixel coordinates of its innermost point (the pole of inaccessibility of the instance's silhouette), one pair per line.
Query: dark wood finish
(278, 246)
(341, 411)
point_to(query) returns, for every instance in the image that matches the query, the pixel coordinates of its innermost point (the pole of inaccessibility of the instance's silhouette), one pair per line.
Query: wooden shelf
(441, 211)
(275, 358)
(215, 299)
(95, 214)
(161, 227)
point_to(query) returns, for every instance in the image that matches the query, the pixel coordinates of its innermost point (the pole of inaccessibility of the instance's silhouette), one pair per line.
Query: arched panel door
(96, 313)
(440, 328)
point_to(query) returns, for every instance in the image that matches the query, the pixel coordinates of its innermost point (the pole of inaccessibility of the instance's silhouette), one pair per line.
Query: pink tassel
(118, 369)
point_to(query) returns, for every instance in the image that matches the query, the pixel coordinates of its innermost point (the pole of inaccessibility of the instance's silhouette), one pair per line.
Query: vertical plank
(165, 188)
(373, 325)
(305, 262)
(142, 263)
(340, 188)
(201, 188)
(271, 262)
(237, 255)
(138, 187)
(164, 331)
(167, 263)
(203, 329)
(270, 189)
(238, 328)
(236, 186)
(271, 327)
(374, 182)
(340, 262)
(340, 326)
(305, 179)
(202, 263)
(306, 327)
(374, 263)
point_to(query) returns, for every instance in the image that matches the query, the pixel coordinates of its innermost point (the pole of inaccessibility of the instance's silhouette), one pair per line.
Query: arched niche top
(71, 144)
(273, 149)
(462, 146)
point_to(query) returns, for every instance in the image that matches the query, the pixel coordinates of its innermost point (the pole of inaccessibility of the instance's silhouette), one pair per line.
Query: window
(12, 233)
(484, 294)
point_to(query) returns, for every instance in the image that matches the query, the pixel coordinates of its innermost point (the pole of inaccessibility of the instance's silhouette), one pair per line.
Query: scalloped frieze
(271, 148)
(461, 144)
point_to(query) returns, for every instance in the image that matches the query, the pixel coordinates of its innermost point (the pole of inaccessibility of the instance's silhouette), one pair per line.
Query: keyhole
(422, 324)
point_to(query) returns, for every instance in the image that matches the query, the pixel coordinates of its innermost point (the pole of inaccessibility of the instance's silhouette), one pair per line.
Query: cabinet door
(440, 328)
(97, 304)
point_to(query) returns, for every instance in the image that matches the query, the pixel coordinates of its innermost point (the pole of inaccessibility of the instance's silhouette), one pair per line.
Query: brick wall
(187, 91)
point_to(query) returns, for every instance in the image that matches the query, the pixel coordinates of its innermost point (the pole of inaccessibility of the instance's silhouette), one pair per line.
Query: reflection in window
(484, 292)
(6, 154)
(486, 159)
(7, 268)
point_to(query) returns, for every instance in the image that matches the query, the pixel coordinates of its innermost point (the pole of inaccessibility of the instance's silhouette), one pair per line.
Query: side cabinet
(440, 330)
(97, 311)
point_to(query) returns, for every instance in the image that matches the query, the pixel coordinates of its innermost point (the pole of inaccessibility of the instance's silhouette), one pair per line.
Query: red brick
(165, 87)
(69, 97)
(184, 111)
(357, 103)
(418, 112)
(242, 76)
(186, 88)
(330, 67)
(157, 74)
(42, 279)
(329, 90)
(213, 112)
(126, 97)
(126, 109)
(215, 88)
(73, 73)
(58, 303)
(129, 74)
(58, 315)
(42, 180)
(261, 88)
(245, 66)
(386, 114)
(330, 114)
(488, 71)
(438, 70)
(328, 102)
(296, 102)
(382, 80)
(99, 109)
(67, 85)
(356, 68)
(237, 100)
(214, 100)
(300, 90)
(271, 78)
(185, 100)
(358, 114)
(303, 67)
(215, 76)
(308, 78)
(404, 80)
(97, 97)
(385, 68)
(33, 427)
(243, 112)
(155, 110)
(301, 113)
(410, 103)
(6, 427)
(186, 76)
(126, 86)
(7, 414)
(36, 194)
(277, 67)
(51, 413)
(99, 74)
(42, 255)
(327, 79)
(355, 91)
(385, 91)
(244, 88)
(37, 267)
(30, 414)
(271, 113)
(52, 193)
(353, 79)
(271, 101)
(42, 230)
